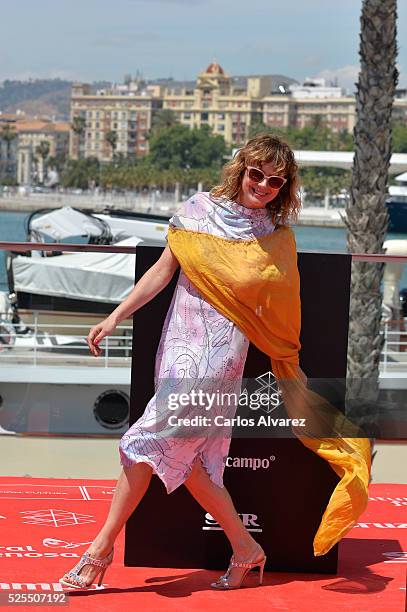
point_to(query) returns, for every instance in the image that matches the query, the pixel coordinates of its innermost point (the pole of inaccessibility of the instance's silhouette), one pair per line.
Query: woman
(238, 283)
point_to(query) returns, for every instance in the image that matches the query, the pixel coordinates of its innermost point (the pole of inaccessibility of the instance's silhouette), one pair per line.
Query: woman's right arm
(152, 282)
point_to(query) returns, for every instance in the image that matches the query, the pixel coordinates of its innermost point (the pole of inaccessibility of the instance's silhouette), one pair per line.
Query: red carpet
(45, 526)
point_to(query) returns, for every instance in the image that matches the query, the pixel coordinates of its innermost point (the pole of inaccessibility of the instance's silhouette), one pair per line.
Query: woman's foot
(98, 549)
(250, 554)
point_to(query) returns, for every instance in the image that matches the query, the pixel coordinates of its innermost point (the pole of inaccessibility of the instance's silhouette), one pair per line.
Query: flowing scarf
(255, 283)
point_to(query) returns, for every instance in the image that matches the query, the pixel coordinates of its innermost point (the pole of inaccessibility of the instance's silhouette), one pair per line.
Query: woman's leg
(131, 485)
(217, 501)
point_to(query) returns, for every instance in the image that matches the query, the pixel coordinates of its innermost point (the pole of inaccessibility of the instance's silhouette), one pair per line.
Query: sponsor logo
(53, 543)
(250, 521)
(252, 463)
(55, 518)
(28, 551)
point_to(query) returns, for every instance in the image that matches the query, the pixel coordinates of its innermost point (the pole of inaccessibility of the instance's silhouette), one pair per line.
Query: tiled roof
(42, 126)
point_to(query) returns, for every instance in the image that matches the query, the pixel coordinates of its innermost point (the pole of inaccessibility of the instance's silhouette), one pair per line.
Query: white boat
(49, 382)
(80, 282)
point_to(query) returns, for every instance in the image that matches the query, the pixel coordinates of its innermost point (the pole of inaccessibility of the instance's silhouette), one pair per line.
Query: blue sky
(106, 39)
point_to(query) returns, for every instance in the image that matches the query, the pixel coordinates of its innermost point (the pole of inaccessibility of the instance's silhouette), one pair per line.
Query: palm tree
(78, 126)
(111, 138)
(8, 134)
(366, 214)
(42, 150)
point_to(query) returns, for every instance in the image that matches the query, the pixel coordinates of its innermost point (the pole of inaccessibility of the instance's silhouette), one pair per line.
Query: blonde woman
(238, 283)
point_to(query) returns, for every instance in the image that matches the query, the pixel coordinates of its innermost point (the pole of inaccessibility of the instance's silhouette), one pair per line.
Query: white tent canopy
(100, 277)
(65, 222)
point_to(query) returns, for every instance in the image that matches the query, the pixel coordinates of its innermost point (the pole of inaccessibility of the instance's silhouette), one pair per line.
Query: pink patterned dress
(199, 349)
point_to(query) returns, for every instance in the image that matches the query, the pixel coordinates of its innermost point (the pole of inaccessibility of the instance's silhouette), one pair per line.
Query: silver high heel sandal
(223, 584)
(78, 582)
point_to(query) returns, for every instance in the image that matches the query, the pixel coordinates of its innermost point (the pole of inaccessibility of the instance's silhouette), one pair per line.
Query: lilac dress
(199, 348)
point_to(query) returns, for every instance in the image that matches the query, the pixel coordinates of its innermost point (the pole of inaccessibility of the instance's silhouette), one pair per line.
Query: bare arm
(152, 282)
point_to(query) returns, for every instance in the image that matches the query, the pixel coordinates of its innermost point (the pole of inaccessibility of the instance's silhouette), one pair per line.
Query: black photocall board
(283, 501)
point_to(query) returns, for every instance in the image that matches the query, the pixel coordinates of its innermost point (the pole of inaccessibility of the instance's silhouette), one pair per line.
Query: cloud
(346, 76)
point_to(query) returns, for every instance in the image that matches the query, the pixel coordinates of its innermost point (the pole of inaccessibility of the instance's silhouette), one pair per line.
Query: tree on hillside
(366, 215)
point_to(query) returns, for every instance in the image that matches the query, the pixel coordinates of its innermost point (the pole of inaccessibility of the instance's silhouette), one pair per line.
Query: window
(221, 116)
(187, 115)
(204, 116)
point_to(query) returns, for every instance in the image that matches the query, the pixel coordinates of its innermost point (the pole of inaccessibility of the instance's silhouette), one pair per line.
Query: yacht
(49, 382)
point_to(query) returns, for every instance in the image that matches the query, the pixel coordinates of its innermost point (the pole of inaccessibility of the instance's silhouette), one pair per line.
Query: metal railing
(36, 345)
(117, 349)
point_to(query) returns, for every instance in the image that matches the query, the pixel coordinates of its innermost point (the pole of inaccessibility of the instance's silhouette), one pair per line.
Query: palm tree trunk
(366, 214)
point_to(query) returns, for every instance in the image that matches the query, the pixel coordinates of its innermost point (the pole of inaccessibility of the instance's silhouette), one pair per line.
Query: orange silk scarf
(255, 283)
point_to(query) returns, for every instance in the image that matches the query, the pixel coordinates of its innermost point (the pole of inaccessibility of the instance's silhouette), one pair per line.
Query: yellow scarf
(255, 283)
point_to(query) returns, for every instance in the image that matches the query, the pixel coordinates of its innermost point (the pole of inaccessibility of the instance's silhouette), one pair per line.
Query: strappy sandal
(223, 584)
(78, 582)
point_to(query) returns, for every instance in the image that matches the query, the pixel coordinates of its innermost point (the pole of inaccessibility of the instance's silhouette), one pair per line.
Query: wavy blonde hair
(264, 148)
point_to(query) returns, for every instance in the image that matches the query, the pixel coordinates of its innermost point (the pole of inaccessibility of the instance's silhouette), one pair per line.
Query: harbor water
(12, 228)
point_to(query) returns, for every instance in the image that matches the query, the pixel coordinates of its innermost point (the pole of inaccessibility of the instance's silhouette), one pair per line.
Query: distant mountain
(39, 97)
(51, 97)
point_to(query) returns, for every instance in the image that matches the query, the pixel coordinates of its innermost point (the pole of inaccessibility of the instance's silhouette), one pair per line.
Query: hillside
(38, 97)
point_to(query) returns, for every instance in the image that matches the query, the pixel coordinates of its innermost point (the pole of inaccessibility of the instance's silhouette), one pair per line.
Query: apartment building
(229, 105)
(34, 136)
(110, 120)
